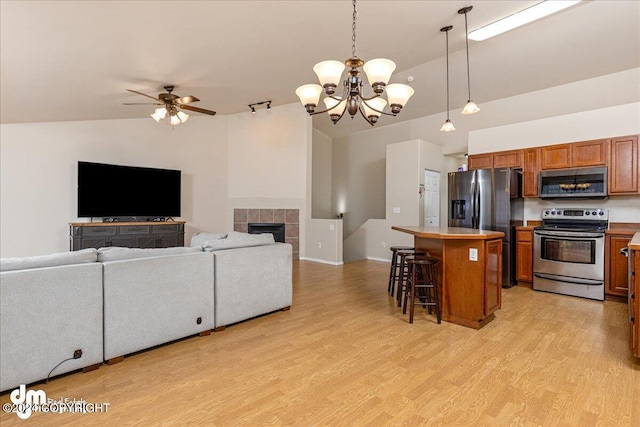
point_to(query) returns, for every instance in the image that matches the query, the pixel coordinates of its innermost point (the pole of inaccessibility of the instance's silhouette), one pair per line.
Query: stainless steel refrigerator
(489, 199)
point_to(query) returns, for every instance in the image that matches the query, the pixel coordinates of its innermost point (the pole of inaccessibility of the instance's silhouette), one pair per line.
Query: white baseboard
(322, 261)
(378, 259)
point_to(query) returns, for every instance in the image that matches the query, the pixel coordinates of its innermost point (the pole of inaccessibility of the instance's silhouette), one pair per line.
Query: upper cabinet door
(623, 165)
(530, 170)
(590, 153)
(507, 159)
(556, 156)
(480, 161)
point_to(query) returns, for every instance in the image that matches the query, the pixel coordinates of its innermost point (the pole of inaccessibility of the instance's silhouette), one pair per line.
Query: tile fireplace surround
(290, 218)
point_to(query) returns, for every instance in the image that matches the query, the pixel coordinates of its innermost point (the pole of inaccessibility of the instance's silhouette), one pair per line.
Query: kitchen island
(469, 271)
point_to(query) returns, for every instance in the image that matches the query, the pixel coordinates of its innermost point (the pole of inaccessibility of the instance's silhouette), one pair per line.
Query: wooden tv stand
(165, 234)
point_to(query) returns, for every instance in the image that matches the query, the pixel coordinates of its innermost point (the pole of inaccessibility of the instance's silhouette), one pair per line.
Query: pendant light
(447, 126)
(470, 107)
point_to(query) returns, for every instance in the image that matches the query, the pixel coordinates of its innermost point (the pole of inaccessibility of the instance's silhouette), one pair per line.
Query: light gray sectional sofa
(50, 306)
(115, 301)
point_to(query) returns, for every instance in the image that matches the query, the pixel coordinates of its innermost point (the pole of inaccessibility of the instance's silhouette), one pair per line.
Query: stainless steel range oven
(569, 252)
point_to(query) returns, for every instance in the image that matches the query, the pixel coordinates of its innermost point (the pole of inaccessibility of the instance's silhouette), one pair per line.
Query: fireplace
(242, 217)
(277, 229)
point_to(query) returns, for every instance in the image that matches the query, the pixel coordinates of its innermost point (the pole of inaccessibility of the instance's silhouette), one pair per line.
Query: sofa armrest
(45, 315)
(252, 281)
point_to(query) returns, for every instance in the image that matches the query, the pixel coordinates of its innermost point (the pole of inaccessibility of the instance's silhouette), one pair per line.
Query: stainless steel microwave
(580, 183)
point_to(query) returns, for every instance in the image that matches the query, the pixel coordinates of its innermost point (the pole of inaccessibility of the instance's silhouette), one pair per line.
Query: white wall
(594, 124)
(405, 165)
(321, 177)
(324, 241)
(38, 173)
(269, 161)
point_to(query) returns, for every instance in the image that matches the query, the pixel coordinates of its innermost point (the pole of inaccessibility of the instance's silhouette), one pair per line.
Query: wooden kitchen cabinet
(589, 153)
(556, 156)
(530, 170)
(634, 300)
(480, 161)
(623, 165)
(524, 254)
(615, 268)
(507, 159)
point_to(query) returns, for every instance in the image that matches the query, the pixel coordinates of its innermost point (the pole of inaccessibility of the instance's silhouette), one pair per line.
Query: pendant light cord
(466, 39)
(447, 38)
(353, 29)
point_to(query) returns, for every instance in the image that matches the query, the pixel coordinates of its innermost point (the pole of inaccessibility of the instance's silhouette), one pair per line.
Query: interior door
(431, 198)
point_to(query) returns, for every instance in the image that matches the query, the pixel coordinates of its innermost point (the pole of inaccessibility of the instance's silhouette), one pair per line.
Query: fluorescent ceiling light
(518, 19)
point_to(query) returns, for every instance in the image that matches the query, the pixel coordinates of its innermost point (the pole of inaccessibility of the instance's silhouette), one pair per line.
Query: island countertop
(450, 233)
(634, 244)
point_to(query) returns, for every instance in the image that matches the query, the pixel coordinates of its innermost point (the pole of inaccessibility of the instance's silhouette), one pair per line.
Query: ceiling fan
(171, 106)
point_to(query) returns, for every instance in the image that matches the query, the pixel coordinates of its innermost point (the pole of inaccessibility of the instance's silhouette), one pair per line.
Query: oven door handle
(566, 279)
(575, 236)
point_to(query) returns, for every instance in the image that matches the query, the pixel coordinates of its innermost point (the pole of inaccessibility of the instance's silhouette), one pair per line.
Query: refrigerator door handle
(476, 205)
(473, 205)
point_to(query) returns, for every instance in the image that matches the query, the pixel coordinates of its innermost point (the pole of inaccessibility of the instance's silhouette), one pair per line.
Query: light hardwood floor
(344, 355)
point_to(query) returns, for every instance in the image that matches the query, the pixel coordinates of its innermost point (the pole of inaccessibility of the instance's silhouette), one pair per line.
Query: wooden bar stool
(403, 270)
(422, 277)
(395, 267)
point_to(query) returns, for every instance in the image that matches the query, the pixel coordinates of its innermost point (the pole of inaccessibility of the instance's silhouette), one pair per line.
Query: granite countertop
(450, 233)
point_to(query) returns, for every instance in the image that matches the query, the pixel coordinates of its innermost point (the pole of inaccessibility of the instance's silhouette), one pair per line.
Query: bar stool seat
(395, 266)
(422, 277)
(403, 267)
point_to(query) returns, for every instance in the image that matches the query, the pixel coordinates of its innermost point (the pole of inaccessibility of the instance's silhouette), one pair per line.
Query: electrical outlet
(473, 254)
(319, 245)
(384, 244)
(77, 354)
(396, 210)
(332, 227)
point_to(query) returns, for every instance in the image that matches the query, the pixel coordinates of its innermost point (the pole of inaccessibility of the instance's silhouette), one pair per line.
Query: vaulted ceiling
(74, 60)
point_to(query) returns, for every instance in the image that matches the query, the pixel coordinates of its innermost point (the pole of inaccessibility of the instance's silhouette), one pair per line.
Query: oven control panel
(576, 214)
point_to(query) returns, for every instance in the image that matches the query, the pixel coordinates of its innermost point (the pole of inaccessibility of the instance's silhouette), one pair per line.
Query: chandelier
(353, 99)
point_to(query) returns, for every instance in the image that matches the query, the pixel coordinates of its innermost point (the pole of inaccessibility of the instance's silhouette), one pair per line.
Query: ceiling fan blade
(187, 100)
(198, 110)
(141, 103)
(143, 94)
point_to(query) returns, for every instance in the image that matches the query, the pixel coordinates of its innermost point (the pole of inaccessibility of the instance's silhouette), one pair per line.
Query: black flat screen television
(124, 191)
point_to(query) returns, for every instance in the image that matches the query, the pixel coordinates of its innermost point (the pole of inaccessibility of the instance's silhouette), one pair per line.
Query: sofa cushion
(239, 240)
(199, 239)
(51, 260)
(118, 253)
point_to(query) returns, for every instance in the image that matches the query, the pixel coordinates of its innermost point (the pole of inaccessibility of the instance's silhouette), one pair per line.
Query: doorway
(431, 198)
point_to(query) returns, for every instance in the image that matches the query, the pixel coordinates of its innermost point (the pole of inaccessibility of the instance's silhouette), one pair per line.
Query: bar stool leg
(414, 278)
(432, 279)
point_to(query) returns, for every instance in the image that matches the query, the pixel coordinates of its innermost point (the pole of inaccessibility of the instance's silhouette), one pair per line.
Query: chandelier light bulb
(379, 72)
(309, 96)
(398, 95)
(377, 103)
(329, 73)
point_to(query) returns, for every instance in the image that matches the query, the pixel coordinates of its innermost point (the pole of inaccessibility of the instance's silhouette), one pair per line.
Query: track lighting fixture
(352, 99)
(470, 107)
(447, 126)
(256, 104)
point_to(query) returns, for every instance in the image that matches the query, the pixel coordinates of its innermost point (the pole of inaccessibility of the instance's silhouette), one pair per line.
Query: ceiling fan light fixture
(175, 120)
(520, 18)
(182, 116)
